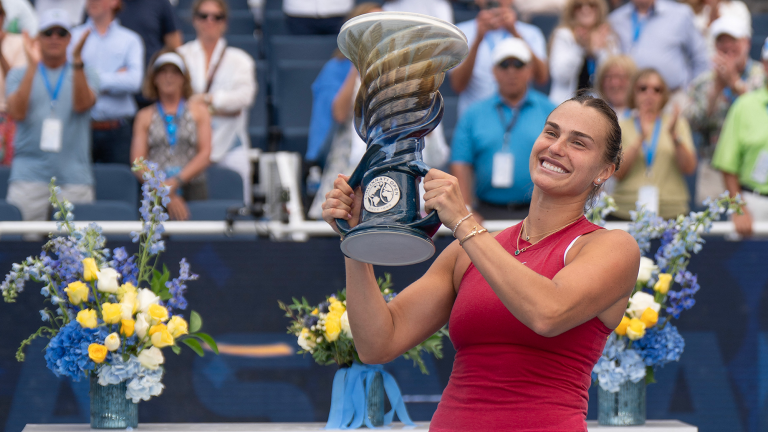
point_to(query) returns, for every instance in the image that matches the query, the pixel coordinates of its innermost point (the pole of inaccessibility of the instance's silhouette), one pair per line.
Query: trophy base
(388, 246)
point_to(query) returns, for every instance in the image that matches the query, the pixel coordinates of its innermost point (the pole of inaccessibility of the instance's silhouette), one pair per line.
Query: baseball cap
(54, 18)
(729, 26)
(511, 47)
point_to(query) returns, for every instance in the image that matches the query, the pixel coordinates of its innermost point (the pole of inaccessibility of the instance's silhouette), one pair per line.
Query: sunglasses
(206, 16)
(512, 62)
(645, 88)
(58, 31)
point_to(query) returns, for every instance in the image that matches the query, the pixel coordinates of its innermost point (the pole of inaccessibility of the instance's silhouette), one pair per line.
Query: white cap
(170, 58)
(511, 47)
(729, 26)
(54, 18)
(764, 55)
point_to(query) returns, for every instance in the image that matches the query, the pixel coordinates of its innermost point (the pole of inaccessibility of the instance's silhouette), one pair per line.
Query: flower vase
(110, 409)
(626, 407)
(374, 400)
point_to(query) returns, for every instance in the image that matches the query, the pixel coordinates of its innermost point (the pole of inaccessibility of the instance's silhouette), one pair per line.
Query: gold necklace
(518, 251)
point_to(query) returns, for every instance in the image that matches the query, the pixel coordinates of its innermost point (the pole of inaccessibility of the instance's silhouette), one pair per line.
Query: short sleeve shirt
(479, 135)
(73, 164)
(152, 20)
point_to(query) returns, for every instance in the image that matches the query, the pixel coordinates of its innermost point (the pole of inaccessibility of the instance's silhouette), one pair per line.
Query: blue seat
(5, 173)
(450, 117)
(106, 211)
(224, 184)
(274, 23)
(212, 209)
(300, 48)
(445, 88)
(248, 43)
(293, 80)
(115, 182)
(258, 121)
(463, 14)
(760, 24)
(545, 22)
(756, 49)
(9, 212)
(274, 5)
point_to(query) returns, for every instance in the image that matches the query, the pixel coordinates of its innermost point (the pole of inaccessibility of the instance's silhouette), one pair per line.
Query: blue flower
(617, 365)
(67, 352)
(145, 385)
(660, 346)
(119, 370)
(177, 287)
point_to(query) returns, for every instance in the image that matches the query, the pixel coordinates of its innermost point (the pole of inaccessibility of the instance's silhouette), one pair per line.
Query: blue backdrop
(721, 383)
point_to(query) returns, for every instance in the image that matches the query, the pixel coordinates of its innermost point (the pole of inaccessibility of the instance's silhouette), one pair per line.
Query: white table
(650, 426)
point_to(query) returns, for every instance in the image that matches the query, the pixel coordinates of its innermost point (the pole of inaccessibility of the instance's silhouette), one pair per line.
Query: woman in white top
(581, 42)
(224, 79)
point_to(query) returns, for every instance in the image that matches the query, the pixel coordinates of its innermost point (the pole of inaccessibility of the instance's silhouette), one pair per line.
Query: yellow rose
(636, 329)
(315, 312)
(160, 336)
(126, 327)
(336, 306)
(177, 326)
(662, 286)
(97, 352)
(125, 289)
(90, 270)
(111, 313)
(157, 313)
(650, 317)
(621, 330)
(87, 318)
(333, 325)
(77, 292)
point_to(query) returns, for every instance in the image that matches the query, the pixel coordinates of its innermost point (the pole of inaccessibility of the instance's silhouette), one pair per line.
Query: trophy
(402, 59)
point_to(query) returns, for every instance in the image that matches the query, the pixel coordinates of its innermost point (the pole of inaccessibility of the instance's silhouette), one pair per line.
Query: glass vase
(626, 407)
(374, 400)
(110, 409)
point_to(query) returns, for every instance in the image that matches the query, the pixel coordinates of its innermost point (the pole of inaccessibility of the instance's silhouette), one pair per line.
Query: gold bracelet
(471, 234)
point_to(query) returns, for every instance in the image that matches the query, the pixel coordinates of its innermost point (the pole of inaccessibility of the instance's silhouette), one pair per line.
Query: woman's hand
(177, 208)
(673, 124)
(444, 196)
(342, 203)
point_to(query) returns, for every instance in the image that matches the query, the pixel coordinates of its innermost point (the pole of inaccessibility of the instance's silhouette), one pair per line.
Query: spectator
(529, 8)
(581, 42)
(155, 21)
(75, 9)
(19, 16)
(713, 92)
(742, 154)
(493, 140)
(316, 17)
(117, 54)
(660, 34)
(224, 80)
(440, 9)
(613, 83)
(705, 12)
(473, 79)
(658, 152)
(50, 99)
(174, 132)
(11, 56)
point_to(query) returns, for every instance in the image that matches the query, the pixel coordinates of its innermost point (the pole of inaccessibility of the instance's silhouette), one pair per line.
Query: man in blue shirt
(117, 55)
(472, 79)
(51, 99)
(660, 34)
(492, 142)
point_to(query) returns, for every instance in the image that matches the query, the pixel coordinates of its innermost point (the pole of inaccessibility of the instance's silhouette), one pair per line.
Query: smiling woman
(530, 307)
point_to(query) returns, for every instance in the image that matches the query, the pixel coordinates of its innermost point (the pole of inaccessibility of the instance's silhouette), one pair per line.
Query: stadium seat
(239, 22)
(116, 182)
(258, 120)
(106, 211)
(8, 212)
(274, 23)
(445, 88)
(760, 25)
(248, 43)
(212, 209)
(450, 117)
(5, 173)
(757, 46)
(545, 22)
(274, 5)
(462, 14)
(224, 184)
(300, 48)
(293, 81)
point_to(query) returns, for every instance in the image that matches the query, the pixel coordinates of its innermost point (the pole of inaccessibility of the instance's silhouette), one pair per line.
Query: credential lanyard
(171, 122)
(649, 148)
(509, 126)
(53, 93)
(637, 26)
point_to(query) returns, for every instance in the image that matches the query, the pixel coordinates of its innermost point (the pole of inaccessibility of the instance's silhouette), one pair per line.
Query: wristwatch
(78, 65)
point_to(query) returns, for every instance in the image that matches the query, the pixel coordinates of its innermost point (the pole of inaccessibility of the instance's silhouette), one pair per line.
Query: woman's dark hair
(612, 154)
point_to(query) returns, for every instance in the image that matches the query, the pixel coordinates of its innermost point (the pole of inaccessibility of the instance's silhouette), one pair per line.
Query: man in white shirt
(473, 79)
(316, 17)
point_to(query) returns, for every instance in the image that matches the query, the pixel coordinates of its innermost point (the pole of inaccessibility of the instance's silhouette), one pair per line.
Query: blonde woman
(579, 45)
(612, 83)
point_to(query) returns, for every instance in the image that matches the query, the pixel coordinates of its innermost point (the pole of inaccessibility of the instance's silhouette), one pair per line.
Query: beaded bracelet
(471, 234)
(455, 227)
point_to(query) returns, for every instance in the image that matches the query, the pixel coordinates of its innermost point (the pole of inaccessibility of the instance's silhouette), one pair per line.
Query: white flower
(640, 302)
(141, 326)
(112, 342)
(146, 298)
(107, 280)
(647, 267)
(126, 310)
(151, 358)
(306, 341)
(345, 325)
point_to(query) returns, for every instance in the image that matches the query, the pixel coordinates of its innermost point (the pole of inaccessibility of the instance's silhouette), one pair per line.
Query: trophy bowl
(402, 59)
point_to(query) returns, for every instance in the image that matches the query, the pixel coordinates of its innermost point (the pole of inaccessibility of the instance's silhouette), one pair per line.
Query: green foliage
(157, 283)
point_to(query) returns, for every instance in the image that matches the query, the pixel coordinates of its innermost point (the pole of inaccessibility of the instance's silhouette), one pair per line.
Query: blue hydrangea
(119, 370)
(617, 365)
(145, 385)
(660, 346)
(67, 352)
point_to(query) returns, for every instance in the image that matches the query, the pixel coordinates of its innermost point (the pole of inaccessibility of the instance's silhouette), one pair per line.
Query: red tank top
(505, 376)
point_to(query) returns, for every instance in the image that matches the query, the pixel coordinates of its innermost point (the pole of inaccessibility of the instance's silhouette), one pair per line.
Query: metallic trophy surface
(402, 59)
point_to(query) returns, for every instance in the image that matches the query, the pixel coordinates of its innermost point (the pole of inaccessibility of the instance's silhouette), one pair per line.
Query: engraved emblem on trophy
(402, 59)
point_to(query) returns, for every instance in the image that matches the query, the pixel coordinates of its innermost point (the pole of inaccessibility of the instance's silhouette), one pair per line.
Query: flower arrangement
(645, 339)
(110, 314)
(323, 330)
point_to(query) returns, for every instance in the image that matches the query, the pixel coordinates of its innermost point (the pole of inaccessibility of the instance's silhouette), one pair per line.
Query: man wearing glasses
(51, 100)
(493, 139)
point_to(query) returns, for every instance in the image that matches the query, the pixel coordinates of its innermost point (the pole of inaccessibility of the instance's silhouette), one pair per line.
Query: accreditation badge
(648, 197)
(51, 135)
(503, 172)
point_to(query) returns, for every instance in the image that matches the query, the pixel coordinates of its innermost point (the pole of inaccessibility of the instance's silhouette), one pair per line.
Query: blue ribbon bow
(348, 404)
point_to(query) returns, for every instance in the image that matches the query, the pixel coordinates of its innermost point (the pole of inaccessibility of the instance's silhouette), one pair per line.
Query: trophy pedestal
(388, 245)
